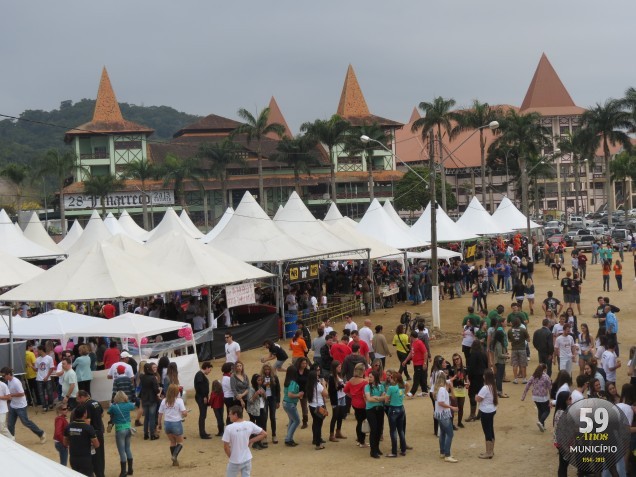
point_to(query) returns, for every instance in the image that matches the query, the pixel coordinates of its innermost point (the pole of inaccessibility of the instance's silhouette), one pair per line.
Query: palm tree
(624, 167)
(255, 129)
(608, 122)
(142, 170)
(354, 146)
(538, 167)
(18, 175)
(60, 167)
(330, 132)
(220, 155)
(438, 116)
(629, 101)
(580, 145)
(100, 186)
(475, 118)
(524, 138)
(178, 171)
(299, 153)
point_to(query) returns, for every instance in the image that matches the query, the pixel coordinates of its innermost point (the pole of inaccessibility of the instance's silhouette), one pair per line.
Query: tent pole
(406, 275)
(280, 299)
(372, 278)
(10, 338)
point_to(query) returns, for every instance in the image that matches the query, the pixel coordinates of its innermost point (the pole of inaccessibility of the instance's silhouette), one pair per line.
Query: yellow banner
(470, 252)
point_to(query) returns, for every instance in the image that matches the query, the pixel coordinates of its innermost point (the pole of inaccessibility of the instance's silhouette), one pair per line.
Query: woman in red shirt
(354, 388)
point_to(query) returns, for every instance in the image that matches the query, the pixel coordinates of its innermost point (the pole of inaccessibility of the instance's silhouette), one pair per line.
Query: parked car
(580, 221)
(557, 238)
(585, 242)
(554, 224)
(549, 232)
(569, 239)
(621, 236)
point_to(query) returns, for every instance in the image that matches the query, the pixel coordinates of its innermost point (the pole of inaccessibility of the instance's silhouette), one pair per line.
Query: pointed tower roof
(276, 116)
(107, 117)
(547, 94)
(353, 107)
(415, 115)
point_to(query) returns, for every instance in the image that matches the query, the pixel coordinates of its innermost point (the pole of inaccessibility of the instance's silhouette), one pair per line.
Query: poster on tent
(241, 294)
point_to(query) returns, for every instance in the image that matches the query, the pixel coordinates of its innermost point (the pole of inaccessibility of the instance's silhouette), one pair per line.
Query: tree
(474, 118)
(255, 129)
(524, 138)
(100, 186)
(178, 170)
(141, 170)
(220, 155)
(438, 116)
(608, 122)
(412, 194)
(18, 175)
(330, 132)
(354, 146)
(299, 153)
(624, 167)
(538, 167)
(60, 166)
(581, 145)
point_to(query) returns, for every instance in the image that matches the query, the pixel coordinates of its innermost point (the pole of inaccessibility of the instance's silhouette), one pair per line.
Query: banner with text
(119, 200)
(300, 272)
(241, 294)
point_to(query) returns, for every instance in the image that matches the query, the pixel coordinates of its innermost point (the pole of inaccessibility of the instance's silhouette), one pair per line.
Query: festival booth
(508, 214)
(36, 232)
(477, 219)
(225, 218)
(377, 224)
(16, 244)
(131, 228)
(115, 228)
(94, 233)
(447, 230)
(17, 459)
(16, 270)
(72, 235)
(390, 211)
(171, 223)
(187, 221)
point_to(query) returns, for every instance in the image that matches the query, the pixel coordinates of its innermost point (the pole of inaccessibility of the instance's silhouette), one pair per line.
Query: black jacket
(542, 341)
(201, 385)
(149, 388)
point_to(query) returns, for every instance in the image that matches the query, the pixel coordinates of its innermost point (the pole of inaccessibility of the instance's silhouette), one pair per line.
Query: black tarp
(248, 336)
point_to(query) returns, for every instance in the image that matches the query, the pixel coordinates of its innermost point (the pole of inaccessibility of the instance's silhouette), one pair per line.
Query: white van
(580, 221)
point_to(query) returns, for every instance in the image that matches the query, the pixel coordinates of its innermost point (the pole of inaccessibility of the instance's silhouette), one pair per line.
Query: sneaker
(409, 395)
(540, 426)
(450, 459)
(514, 381)
(420, 394)
(442, 456)
(43, 438)
(525, 381)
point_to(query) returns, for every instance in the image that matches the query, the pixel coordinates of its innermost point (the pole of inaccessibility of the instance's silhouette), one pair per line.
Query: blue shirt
(611, 323)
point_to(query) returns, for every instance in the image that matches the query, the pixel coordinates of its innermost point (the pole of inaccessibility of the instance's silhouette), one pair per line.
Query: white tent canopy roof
(477, 220)
(447, 230)
(100, 272)
(95, 232)
(171, 223)
(442, 254)
(225, 218)
(198, 264)
(187, 221)
(388, 208)
(16, 271)
(296, 220)
(377, 224)
(278, 212)
(333, 213)
(54, 324)
(250, 235)
(131, 227)
(36, 232)
(378, 249)
(114, 227)
(72, 235)
(508, 214)
(130, 325)
(16, 244)
(19, 460)
(128, 245)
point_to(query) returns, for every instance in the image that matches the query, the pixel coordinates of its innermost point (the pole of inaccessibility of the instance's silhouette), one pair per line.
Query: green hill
(24, 141)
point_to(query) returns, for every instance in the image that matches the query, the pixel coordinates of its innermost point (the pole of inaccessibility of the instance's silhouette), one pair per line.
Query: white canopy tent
(36, 232)
(388, 208)
(377, 248)
(377, 224)
(187, 221)
(225, 218)
(16, 271)
(477, 220)
(250, 235)
(334, 215)
(447, 230)
(115, 228)
(72, 235)
(128, 245)
(171, 223)
(508, 214)
(17, 459)
(131, 227)
(95, 232)
(16, 244)
(278, 212)
(442, 254)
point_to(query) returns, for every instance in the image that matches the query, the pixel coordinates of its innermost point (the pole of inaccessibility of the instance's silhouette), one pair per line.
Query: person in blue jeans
(291, 395)
(444, 415)
(18, 406)
(395, 409)
(119, 412)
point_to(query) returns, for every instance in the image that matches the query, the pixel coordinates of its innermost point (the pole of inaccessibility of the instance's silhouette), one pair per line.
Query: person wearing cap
(129, 371)
(122, 382)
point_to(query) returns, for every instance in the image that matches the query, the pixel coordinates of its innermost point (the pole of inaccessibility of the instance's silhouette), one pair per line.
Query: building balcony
(343, 195)
(96, 155)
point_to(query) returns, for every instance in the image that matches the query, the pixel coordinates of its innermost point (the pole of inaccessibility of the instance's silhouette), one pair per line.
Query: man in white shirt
(18, 406)
(610, 363)
(44, 367)
(366, 335)
(328, 328)
(69, 384)
(237, 440)
(565, 349)
(232, 349)
(581, 388)
(129, 373)
(5, 396)
(350, 324)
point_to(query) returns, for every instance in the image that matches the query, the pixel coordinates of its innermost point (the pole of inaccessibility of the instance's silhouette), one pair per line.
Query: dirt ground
(517, 438)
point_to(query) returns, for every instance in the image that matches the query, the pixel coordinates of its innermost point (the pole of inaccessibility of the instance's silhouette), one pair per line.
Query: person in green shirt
(374, 395)
(119, 412)
(494, 315)
(291, 395)
(397, 418)
(474, 319)
(517, 313)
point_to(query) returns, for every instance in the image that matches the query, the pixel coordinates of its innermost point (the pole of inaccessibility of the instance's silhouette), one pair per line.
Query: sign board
(241, 294)
(119, 199)
(300, 272)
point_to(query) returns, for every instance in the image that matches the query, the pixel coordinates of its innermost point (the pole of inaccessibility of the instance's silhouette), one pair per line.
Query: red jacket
(60, 427)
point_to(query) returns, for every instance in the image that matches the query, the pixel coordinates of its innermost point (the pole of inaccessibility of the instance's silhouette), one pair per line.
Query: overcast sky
(206, 56)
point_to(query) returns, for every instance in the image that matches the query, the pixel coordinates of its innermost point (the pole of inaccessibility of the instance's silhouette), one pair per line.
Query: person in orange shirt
(618, 273)
(298, 346)
(606, 275)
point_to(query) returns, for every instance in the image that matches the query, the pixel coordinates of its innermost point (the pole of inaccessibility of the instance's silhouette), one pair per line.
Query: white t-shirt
(230, 352)
(43, 365)
(608, 360)
(172, 413)
(557, 330)
(488, 403)
(15, 387)
(442, 396)
(226, 384)
(351, 326)
(627, 410)
(69, 377)
(565, 343)
(238, 435)
(328, 329)
(4, 405)
(576, 396)
(313, 302)
(317, 400)
(113, 370)
(366, 335)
